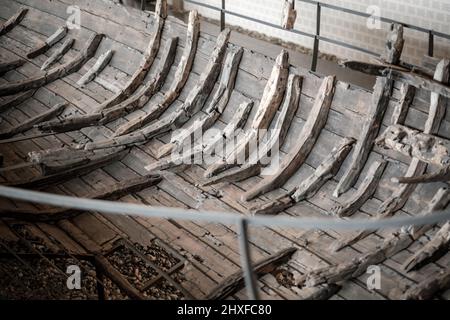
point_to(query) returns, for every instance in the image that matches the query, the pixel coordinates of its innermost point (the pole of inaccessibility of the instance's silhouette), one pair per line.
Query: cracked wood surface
(43, 47)
(58, 54)
(310, 132)
(96, 69)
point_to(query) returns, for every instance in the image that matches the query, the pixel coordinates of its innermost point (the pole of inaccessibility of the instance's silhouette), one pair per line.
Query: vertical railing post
(430, 43)
(246, 261)
(222, 16)
(316, 38)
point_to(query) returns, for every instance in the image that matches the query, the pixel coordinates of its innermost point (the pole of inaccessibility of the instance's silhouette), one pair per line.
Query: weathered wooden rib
(55, 73)
(380, 99)
(269, 104)
(11, 65)
(289, 14)
(324, 292)
(391, 246)
(137, 100)
(99, 260)
(273, 140)
(48, 43)
(310, 132)
(16, 100)
(113, 192)
(363, 193)
(429, 287)
(147, 61)
(28, 124)
(215, 107)
(206, 147)
(45, 181)
(413, 143)
(442, 175)
(235, 282)
(9, 24)
(95, 70)
(193, 104)
(308, 188)
(181, 77)
(431, 251)
(401, 108)
(58, 54)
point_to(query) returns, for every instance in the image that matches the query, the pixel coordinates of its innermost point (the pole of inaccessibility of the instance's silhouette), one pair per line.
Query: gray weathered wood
(401, 108)
(270, 102)
(442, 175)
(43, 47)
(317, 119)
(58, 54)
(11, 65)
(16, 100)
(96, 69)
(61, 71)
(364, 192)
(429, 287)
(9, 24)
(289, 14)
(181, 77)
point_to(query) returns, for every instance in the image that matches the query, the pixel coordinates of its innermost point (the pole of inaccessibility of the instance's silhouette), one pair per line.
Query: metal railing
(317, 36)
(121, 208)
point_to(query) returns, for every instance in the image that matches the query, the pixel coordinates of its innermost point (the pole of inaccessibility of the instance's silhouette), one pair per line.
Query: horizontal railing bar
(122, 208)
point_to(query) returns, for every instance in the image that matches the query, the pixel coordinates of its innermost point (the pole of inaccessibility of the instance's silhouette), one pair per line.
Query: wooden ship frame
(89, 112)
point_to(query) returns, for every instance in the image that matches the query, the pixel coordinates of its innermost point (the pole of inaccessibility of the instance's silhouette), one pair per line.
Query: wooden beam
(43, 47)
(407, 93)
(113, 192)
(193, 104)
(58, 54)
(28, 124)
(95, 70)
(235, 282)
(181, 77)
(213, 110)
(317, 119)
(289, 14)
(273, 141)
(9, 24)
(11, 65)
(207, 147)
(149, 57)
(429, 287)
(68, 68)
(269, 104)
(442, 175)
(16, 100)
(365, 191)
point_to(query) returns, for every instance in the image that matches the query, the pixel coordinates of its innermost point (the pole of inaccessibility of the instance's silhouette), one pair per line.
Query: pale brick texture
(433, 14)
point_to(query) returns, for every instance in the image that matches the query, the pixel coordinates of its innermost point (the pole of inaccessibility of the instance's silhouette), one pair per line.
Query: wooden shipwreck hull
(101, 121)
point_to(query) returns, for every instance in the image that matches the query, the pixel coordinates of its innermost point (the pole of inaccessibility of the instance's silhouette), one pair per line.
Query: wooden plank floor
(211, 249)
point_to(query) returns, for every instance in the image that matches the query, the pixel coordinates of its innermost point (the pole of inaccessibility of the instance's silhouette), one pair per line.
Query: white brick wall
(433, 14)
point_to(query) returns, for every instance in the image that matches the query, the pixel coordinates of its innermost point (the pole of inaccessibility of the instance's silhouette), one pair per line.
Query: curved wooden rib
(431, 251)
(58, 54)
(11, 65)
(439, 176)
(147, 61)
(8, 25)
(401, 108)
(310, 132)
(93, 164)
(95, 70)
(364, 192)
(270, 102)
(429, 287)
(207, 147)
(55, 73)
(181, 77)
(17, 100)
(308, 188)
(380, 100)
(48, 43)
(215, 107)
(28, 124)
(113, 192)
(279, 131)
(193, 104)
(138, 100)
